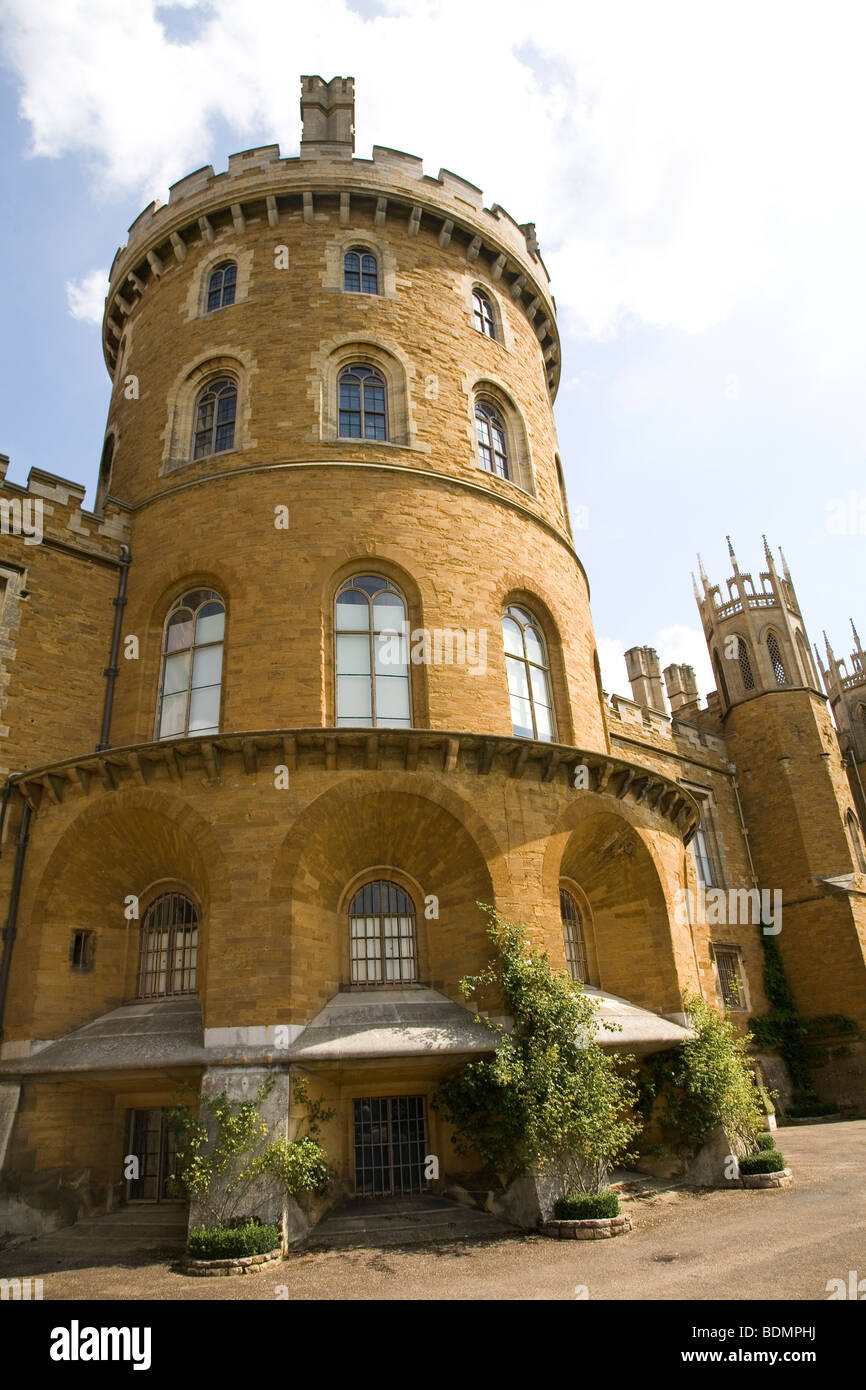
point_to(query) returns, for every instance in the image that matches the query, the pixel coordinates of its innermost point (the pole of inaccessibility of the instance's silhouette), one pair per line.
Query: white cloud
(679, 645)
(86, 299)
(681, 162)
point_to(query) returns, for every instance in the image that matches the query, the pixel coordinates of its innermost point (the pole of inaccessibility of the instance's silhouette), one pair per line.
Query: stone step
(406, 1223)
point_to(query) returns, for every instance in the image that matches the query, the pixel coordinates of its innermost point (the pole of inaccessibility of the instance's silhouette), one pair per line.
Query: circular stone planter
(590, 1228)
(762, 1180)
(238, 1264)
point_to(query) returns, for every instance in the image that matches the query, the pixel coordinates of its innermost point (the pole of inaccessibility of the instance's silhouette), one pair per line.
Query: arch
(371, 660)
(360, 270)
(489, 402)
(190, 385)
(190, 687)
(527, 668)
(221, 285)
(352, 833)
(777, 665)
(616, 863)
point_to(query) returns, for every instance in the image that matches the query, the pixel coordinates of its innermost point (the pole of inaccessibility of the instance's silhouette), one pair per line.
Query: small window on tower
(82, 950)
(729, 970)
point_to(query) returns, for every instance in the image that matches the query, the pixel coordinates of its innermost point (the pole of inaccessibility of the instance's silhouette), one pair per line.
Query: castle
(244, 830)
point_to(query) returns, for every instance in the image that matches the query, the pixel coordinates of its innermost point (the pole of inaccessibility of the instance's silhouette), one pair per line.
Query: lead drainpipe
(744, 831)
(10, 931)
(111, 670)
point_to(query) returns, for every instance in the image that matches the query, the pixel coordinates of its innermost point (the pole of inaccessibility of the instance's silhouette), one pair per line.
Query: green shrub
(227, 1242)
(767, 1161)
(765, 1141)
(582, 1206)
(811, 1109)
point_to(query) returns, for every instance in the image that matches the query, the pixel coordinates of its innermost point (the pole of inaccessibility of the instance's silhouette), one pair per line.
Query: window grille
(730, 977)
(169, 948)
(572, 930)
(382, 932)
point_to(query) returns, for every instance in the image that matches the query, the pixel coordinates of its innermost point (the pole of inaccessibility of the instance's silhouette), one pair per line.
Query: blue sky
(695, 175)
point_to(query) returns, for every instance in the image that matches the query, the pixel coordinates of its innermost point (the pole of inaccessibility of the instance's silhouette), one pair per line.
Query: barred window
(382, 934)
(191, 682)
(360, 271)
(776, 659)
(729, 967)
(572, 931)
(215, 411)
(528, 676)
(221, 285)
(482, 313)
(363, 411)
(492, 440)
(169, 948)
(372, 667)
(745, 664)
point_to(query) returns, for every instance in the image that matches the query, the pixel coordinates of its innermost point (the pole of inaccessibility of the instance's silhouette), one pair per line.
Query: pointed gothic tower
(795, 794)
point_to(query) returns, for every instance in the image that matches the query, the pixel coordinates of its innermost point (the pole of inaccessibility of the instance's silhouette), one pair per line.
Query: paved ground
(713, 1245)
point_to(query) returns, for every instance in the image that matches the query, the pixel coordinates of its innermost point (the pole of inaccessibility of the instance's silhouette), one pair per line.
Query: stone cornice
(168, 762)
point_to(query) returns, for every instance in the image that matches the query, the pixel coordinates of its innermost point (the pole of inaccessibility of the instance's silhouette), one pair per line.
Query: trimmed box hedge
(765, 1141)
(228, 1242)
(585, 1206)
(767, 1161)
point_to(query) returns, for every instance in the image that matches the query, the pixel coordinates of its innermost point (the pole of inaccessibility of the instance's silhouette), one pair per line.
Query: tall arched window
(215, 411)
(572, 932)
(776, 659)
(169, 948)
(360, 271)
(745, 664)
(363, 413)
(221, 285)
(191, 683)
(482, 313)
(528, 678)
(856, 841)
(492, 439)
(382, 934)
(371, 657)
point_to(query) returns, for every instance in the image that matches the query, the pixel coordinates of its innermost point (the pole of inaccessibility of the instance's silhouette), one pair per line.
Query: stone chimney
(328, 115)
(682, 689)
(644, 673)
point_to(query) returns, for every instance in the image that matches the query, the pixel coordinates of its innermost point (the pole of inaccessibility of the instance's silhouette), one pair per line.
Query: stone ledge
(239, 1264)
(762, 1181)
(590, 1228)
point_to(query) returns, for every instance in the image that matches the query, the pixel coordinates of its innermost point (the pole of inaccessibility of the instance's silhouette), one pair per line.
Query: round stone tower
(357, 691)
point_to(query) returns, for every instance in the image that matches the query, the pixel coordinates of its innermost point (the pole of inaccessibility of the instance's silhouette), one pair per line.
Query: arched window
(191, 684)
(221, 285)
(492, 439)
(382, 935)
(363, 413)
(360, 271)
(776, 659)
(215, 411)
(371, 655)
(169, 948)
(482, 314)
(572, 932)
(745, 665)
(528, 678)
(856, 841)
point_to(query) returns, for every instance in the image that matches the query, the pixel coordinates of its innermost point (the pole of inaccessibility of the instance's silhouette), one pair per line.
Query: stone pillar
(682, 688)
(645, 678)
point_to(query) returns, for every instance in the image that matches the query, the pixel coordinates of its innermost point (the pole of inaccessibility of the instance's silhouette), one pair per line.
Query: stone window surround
(504, 338)
(15, 588)
(735, 949)
(346, 240)
(522, 596)
(229, 249)
(519, 454)
(398, 373)
(178, 434)
(157, 888)
(709, 824)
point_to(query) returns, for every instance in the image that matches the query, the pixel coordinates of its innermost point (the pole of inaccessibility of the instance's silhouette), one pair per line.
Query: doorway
(153, 1143)
(390, 1145)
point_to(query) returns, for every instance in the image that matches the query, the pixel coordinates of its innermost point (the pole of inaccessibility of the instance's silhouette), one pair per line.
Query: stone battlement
(62, 519)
